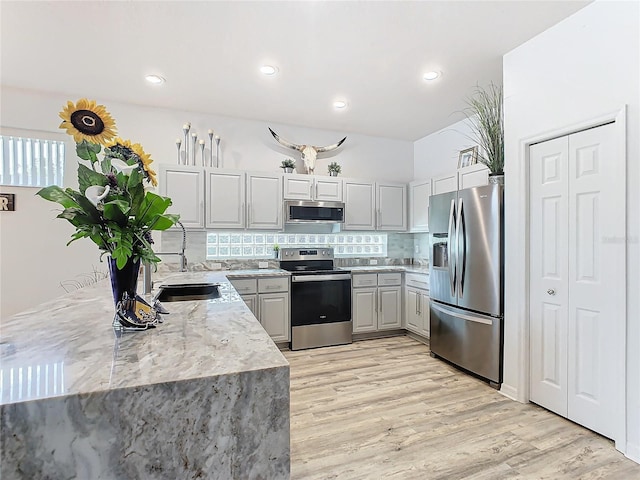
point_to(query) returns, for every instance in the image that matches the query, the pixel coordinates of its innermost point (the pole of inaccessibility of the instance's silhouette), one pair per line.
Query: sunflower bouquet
(111, 207)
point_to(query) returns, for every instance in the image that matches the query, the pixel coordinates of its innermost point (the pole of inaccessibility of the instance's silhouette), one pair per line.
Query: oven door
(320, 310)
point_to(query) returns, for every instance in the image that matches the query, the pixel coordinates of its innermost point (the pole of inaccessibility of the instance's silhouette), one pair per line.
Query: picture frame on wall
(468, 157)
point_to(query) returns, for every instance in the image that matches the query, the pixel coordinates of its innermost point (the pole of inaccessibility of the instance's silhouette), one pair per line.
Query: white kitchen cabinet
(374, 206)
(417, 304)
(419, 192)
(360, 205)
(308, 187)
(264, 201)
(225, 198)
(377, 301)
(185, 186)
(473, 176)
(391, 206)
(444, 184)
(268, 300)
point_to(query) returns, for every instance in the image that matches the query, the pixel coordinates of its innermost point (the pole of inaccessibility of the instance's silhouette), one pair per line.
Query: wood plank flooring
(384, 408)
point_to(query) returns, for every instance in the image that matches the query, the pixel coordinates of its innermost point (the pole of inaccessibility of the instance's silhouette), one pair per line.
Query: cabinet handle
(311, 190)
(316, 190)
(419, 299)
(380, 301)
(241, 212)
(249, 214)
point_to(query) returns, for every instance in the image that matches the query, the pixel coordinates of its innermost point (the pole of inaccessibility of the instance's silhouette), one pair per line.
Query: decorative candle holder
(178, 145)
(194, 137)
(217, 139)
(185, 128)
(210, 147)
(204, 164)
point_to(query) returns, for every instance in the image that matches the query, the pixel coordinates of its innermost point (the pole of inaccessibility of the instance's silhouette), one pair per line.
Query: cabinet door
(185, 186)
(360, 205)
(423, 309)
(252, 303)
(328, 189)
(298, 187)
(391, 203)
(444, 184)
(225, 199)
(365, 315)
(274, 315)
(411, 299)
(473, 176)
(419, 193)
(390, 308)
(264, 201)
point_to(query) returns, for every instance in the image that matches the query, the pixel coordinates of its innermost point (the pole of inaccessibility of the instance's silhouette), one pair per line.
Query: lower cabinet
(268, 300)
(417, 304)
(377, 302)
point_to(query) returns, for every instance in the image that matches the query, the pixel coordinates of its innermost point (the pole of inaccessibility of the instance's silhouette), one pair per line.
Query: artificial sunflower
(88, 121)
(128, 151)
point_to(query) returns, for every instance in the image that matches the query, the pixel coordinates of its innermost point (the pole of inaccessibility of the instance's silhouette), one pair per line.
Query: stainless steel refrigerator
(466, 279)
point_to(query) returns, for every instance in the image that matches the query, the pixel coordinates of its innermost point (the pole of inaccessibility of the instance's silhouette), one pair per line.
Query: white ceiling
(372, 54)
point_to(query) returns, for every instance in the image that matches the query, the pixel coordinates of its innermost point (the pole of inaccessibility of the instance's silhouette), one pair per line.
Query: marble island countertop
(196, 397)
(198, 339)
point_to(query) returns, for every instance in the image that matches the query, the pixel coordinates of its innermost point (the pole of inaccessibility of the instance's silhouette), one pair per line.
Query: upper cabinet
(391, 203)
(419, 192)
(185, 186)
(374, 206)
(220, 198)
(264, 201)
(473, 176)
(359, 205)
(309, 187)
(225, 198)
(444, 184)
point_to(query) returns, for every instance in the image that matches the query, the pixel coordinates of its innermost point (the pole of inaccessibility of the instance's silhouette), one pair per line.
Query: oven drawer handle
(320, 278)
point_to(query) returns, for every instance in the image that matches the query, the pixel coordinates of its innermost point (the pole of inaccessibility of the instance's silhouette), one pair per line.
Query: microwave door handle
(450, 243)
(462, 234)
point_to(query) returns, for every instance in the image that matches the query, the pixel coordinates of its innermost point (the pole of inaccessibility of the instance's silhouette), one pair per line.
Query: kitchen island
(203, 395)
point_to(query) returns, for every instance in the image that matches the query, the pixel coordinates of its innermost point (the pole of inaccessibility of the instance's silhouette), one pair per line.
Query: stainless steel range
(320, 298)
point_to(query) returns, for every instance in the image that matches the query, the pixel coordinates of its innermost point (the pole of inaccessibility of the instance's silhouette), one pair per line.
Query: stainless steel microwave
(297, 211)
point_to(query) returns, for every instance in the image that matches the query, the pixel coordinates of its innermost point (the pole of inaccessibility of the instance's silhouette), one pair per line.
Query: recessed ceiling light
(269, 69)
(431, 75)
(339, 104)
(154, 79)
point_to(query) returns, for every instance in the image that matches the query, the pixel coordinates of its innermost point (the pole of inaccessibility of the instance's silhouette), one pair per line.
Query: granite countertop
(67, 346)
(388, 268)
(257, 272)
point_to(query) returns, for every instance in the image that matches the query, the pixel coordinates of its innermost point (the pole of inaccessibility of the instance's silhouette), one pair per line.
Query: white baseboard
(633, 452)
(509, 391)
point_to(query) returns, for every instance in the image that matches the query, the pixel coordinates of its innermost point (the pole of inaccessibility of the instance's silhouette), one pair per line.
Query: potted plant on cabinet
(486, 117)
(276, 250)
(288, 165)
(334, 169)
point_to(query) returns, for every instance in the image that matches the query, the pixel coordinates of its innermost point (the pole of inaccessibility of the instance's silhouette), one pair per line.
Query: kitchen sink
(188, 291)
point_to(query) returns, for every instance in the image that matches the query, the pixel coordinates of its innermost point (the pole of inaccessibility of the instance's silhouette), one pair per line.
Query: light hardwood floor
(384, 408)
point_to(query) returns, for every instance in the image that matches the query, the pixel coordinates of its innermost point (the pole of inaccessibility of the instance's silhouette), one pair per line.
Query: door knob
(551, 291)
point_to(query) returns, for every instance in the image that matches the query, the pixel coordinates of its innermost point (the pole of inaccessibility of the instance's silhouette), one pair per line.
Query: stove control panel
(306, 253)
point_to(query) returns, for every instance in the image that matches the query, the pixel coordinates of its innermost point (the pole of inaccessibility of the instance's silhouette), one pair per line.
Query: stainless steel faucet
(146, 271)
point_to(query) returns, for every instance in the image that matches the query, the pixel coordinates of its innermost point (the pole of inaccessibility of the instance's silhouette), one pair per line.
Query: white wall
(437, 154)
(34, 259)
(582, 68)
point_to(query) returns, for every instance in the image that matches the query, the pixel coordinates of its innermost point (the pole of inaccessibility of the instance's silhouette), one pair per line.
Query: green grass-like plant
(486, 116)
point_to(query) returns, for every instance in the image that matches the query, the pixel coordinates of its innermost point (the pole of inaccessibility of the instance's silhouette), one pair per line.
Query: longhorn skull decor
(308, 152)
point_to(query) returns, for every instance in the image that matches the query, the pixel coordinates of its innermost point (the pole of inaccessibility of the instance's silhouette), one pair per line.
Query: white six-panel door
(577, 278)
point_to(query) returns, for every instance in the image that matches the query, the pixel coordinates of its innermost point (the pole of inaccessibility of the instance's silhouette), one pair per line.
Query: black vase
(124, 280)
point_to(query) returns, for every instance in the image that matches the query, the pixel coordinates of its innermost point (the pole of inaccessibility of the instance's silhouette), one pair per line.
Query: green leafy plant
(486, 116)
(111, 207)
(288, 163)
(334, 167)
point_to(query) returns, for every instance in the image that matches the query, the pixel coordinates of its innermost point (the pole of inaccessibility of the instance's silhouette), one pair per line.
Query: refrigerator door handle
(461, 233)
(458, 314)
(452, 258)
